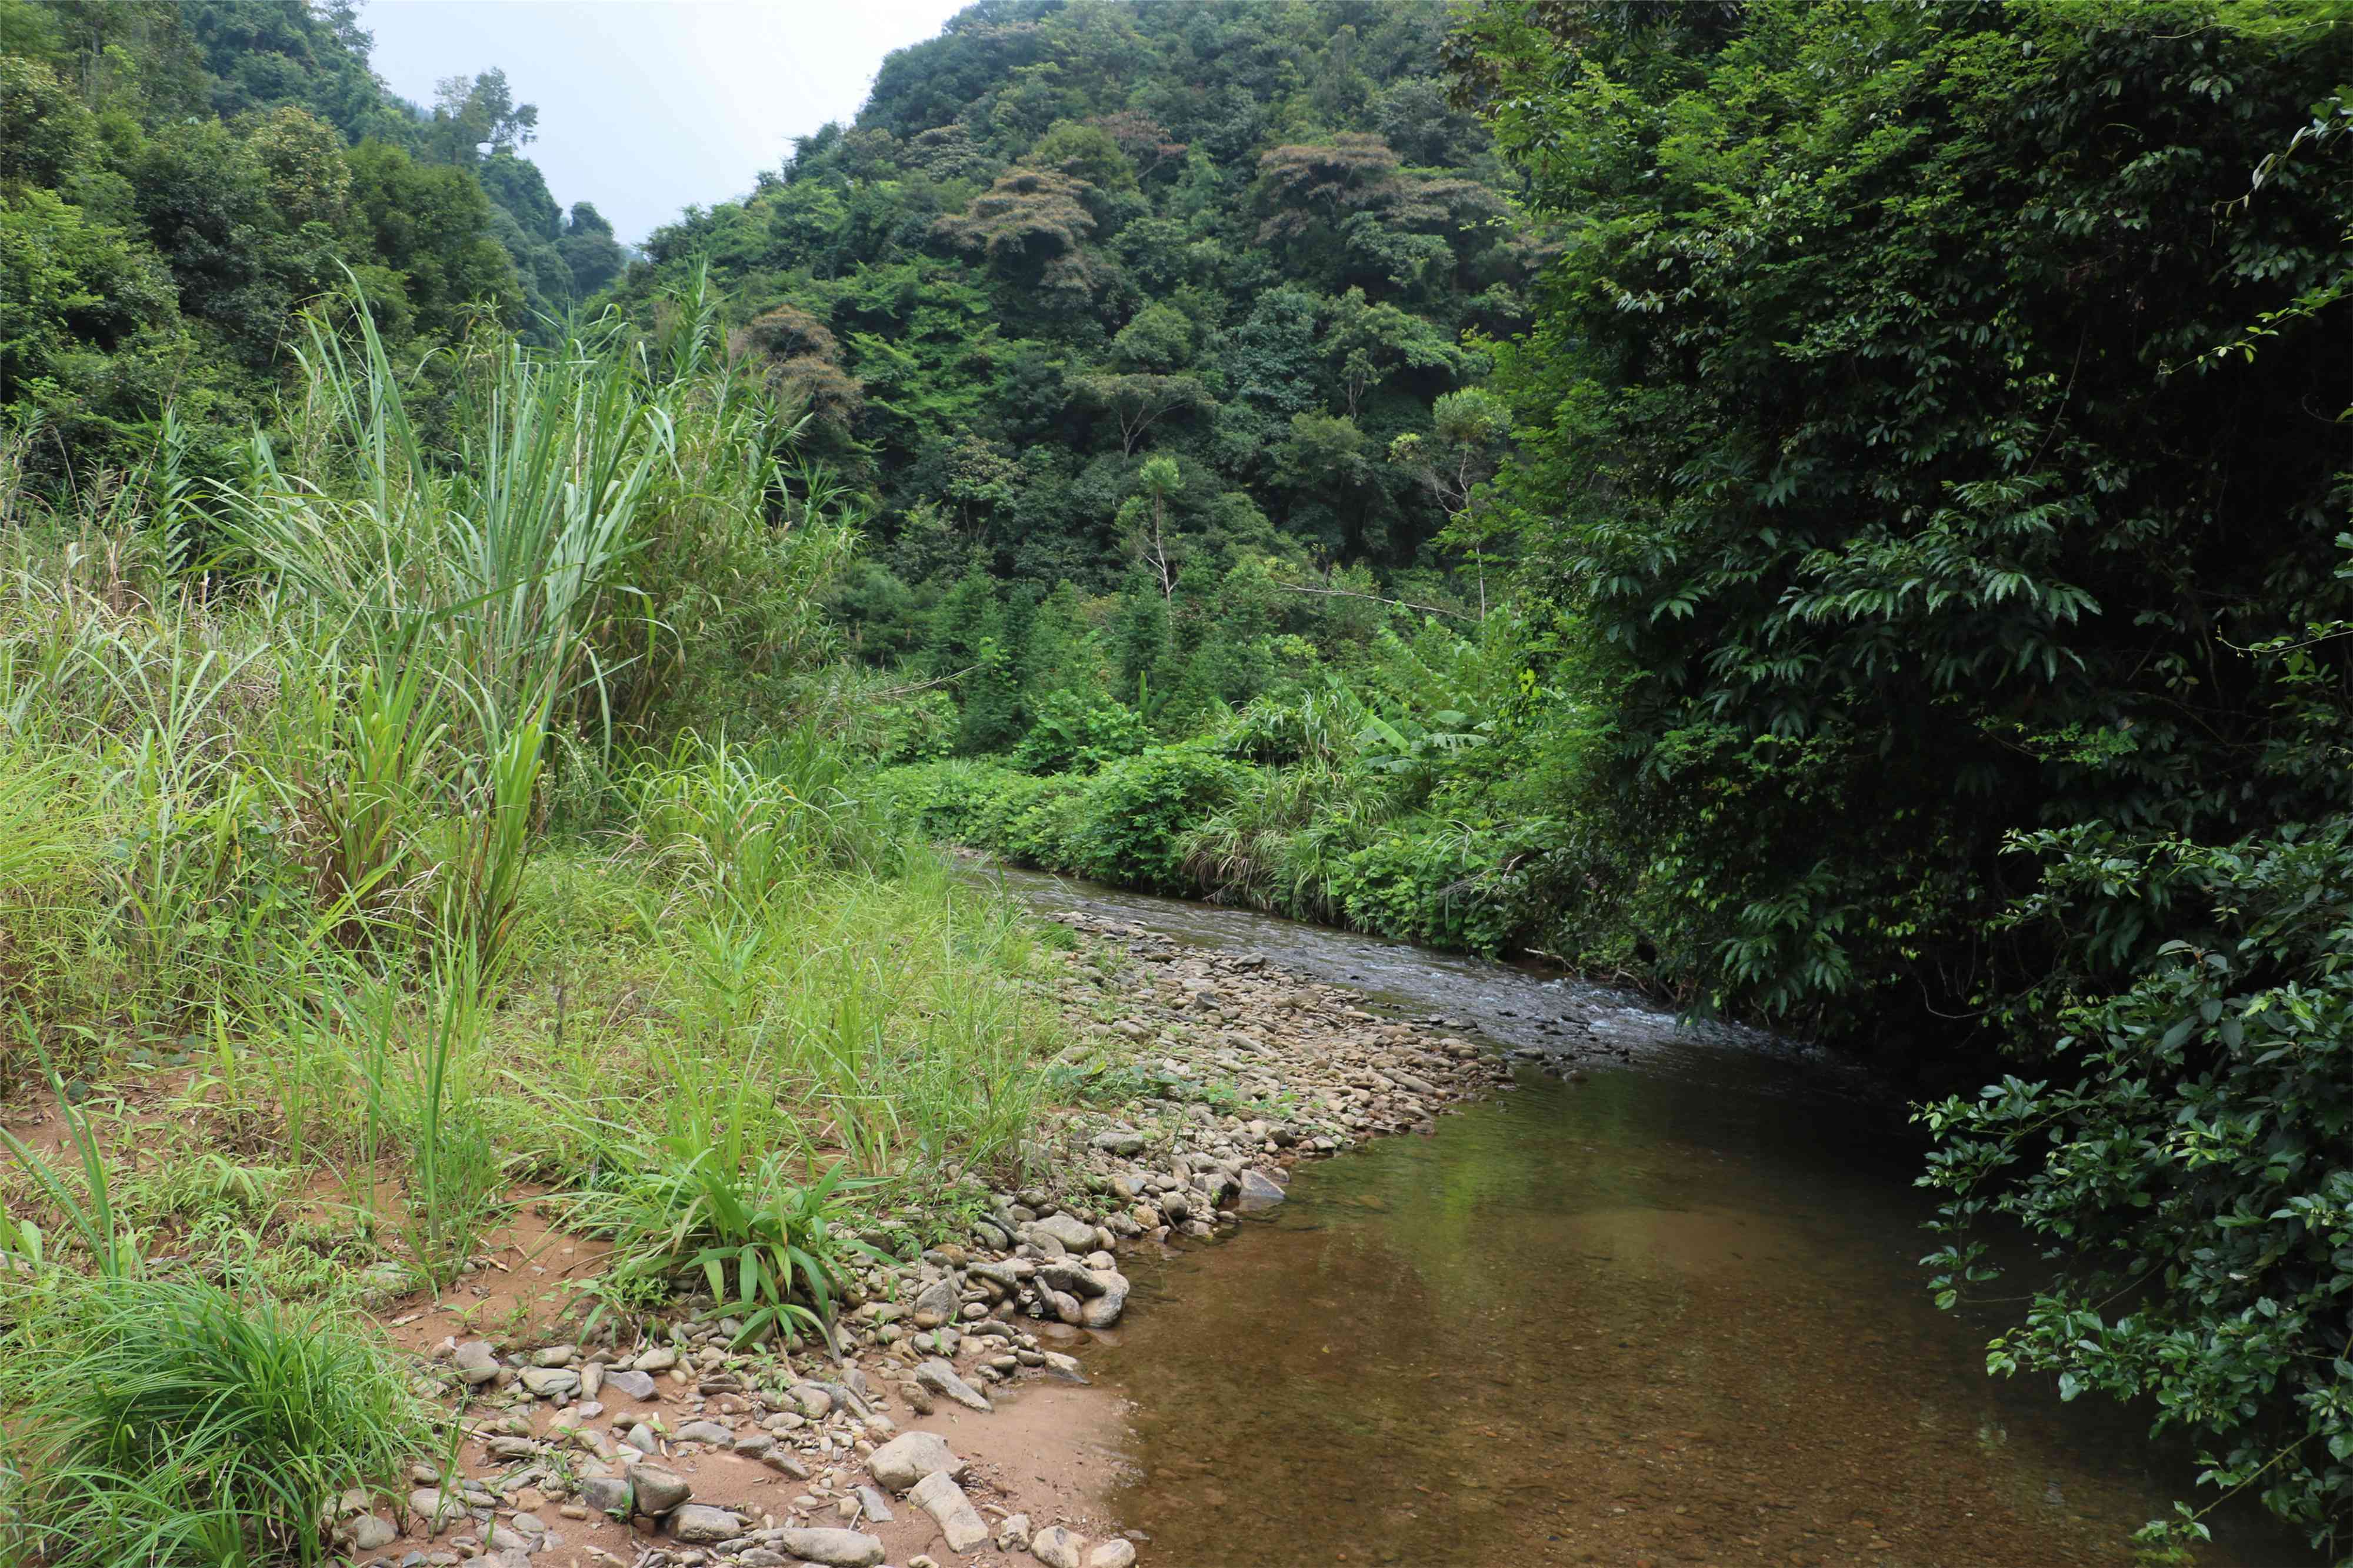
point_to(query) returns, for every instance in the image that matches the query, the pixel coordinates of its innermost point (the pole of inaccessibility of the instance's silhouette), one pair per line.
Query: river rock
(938, 1301)
(1013, 1533)
(1075, 1235)
(1110, 1300)
(703, 1524)
(910, 1456)
(1120, 1141)
(436, 1508)
(709, 1432)
(872, 1504)
(550, 1382)
(938, 1495)
(813, 1403)
(1260, 1191)
(608, 1495)
(658, 1491)
(369, 1532)
(476, 1361)
(1059, 1546)
(1111, 1554)
(635, 1384)
(941, 1379)
(834, 1548)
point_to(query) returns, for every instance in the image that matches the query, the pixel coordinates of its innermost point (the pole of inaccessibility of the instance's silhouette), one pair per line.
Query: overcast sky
(647, 106)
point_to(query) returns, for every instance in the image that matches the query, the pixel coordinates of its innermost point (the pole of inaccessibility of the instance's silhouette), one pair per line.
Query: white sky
(647, 106)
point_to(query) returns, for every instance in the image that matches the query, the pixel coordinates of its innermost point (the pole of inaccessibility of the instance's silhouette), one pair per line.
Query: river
(1667, 1315)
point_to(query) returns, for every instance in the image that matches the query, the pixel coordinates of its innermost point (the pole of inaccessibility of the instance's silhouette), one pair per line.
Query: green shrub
(178, 1423)
(1439, 883)
(1137, 812)
(1072, 735)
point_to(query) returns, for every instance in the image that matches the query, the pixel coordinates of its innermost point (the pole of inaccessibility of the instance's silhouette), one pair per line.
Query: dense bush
(1935, 430)
(1073, 735)
(1443, 883)
(1135, 812)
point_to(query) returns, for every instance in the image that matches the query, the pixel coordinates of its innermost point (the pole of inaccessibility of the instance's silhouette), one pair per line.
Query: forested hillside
(1155, 300)
(179, 177)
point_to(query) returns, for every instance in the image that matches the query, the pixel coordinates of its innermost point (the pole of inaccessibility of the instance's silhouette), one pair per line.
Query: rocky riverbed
(953, 1426)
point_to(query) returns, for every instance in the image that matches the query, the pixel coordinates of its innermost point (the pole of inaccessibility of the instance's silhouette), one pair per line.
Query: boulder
(1260, 1191)
(1075, 1235)
(658, 1491)
(941, 1379)
(608, 1494)
(1110, 1300)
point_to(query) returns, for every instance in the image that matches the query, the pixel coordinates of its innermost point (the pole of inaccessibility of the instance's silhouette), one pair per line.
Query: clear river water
(1669, 1315)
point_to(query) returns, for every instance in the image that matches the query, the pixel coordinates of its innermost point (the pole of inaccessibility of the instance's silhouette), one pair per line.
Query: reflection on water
(1669, 1316)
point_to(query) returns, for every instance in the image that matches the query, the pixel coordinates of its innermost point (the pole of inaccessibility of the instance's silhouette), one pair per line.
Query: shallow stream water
(1670, 1315)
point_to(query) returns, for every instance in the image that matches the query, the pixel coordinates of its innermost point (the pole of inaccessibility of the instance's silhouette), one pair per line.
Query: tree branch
(1376, 598)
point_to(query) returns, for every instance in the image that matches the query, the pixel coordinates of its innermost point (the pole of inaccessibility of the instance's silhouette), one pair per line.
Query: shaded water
(1668, 1316)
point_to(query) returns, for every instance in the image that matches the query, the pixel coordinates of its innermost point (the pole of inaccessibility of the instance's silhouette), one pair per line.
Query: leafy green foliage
(1072, 735)
(1857, 490)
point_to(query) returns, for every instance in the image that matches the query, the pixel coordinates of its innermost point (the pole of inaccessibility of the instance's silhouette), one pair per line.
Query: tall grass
(170, 1421)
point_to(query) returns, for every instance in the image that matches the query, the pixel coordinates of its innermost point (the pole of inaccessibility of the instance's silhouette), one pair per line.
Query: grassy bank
(368, 863)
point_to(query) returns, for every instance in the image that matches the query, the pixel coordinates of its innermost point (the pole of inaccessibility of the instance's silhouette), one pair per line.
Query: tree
(1087, 153)
(477, 117)
(589, 250)
(1307, 191)
(800, 360)
(1368, 342)
(1029, 216)
(1147, 516)
(1145, 141)
(1135, 403)
(1158, 341)
(1465, 444)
